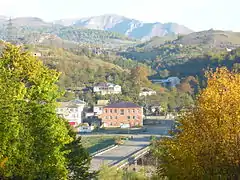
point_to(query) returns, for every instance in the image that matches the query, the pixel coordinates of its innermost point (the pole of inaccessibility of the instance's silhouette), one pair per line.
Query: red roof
(123, 105)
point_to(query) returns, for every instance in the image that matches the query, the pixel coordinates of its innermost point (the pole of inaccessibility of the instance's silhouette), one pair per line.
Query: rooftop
(73, 103)
(104, 84)
(123, 105)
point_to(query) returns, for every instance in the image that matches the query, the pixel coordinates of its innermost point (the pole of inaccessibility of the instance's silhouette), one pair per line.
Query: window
(111, 111)
(116, 117)
(134, 117)
(110, 117)
(115, 110)
(100, 108)
(106, 117)
(133, 110)
(129, 111)
(122, 112)
(129, 117)
(106, 111)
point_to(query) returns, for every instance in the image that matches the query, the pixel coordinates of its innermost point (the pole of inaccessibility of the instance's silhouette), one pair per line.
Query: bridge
(133, 149)
(116, 154)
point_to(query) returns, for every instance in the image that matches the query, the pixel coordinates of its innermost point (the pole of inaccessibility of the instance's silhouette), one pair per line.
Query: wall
(113, 117)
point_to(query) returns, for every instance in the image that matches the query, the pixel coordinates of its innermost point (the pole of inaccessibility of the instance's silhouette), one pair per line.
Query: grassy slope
(97, 143)
(212, 39)
(59, 55)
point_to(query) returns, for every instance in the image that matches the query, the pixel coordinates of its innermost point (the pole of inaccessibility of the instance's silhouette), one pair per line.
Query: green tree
(78, 158)
(33, 137)
(164, 73)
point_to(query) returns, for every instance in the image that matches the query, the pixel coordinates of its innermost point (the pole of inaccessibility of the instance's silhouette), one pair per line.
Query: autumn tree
(33, 138)
(139, 76)
(188, 85)
(208, 140)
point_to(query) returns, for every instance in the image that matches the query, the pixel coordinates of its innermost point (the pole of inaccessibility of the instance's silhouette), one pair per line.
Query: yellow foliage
(207, 146)
(2, 163)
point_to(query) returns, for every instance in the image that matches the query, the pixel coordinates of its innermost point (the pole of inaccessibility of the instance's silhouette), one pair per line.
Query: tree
(164, 73)
(207, 143)
(33, 137)
(79, 159)
(139, 76)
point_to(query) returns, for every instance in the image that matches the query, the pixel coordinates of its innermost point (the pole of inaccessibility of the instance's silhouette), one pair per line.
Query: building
(122, 114)
(98, 108)
(72, 111)
(147, 92)
(107, 88)
(171, 81)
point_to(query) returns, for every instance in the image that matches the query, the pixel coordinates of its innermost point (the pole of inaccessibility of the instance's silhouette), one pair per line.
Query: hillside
(76, 69)
(212, 39)
(34, 30)
(156, 42)
(130, 27)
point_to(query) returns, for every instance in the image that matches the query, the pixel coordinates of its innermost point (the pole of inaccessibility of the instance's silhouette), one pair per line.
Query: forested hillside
(64, 35)
(188, 55)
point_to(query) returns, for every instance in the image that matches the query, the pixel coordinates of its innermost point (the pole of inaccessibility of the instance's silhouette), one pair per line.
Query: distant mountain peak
(127, 26)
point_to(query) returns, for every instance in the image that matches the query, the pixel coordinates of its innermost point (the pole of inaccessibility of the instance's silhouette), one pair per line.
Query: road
(117, 154)
(140, 140)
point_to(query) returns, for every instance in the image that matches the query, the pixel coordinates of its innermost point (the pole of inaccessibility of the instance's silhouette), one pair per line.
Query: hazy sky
(195, 14)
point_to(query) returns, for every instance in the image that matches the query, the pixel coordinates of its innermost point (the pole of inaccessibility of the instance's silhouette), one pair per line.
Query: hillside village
(104, 113)
(114, 98)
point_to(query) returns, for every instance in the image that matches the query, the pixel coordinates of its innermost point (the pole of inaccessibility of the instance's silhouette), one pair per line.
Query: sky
(195, 14)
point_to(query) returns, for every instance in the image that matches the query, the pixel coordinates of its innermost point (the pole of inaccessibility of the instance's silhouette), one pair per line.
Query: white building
(147, 92)
(98, 108)
(72, 111)
(171, 81)
(107, 88)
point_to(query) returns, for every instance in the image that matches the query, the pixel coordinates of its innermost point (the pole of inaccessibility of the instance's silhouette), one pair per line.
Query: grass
(96, 143)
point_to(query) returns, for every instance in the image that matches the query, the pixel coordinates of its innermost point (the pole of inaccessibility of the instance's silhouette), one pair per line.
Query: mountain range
(129, 27)
(110, 22)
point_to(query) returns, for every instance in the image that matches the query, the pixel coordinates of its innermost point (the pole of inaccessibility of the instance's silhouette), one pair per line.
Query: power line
(11, 32)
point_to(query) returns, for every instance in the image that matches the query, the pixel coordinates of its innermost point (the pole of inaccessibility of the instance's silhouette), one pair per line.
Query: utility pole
(11, 32)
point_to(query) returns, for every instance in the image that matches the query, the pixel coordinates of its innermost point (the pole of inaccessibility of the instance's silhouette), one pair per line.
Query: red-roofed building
(122, 114)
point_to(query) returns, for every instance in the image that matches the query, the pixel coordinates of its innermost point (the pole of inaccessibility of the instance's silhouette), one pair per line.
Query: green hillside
(156, 42)
(69, 35)
(212, 39)
(189, 55)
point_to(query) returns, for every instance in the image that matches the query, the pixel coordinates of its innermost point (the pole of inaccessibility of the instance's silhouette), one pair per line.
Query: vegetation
(35, 142)
(68, 35)
(207, 142)
(107, 173)
(96, 143)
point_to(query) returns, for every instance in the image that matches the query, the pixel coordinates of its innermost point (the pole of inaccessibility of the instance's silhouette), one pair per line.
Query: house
(122, 114)
(107, 88)
(171, 81)
(98, 108)
(72, 111)
(147, 92)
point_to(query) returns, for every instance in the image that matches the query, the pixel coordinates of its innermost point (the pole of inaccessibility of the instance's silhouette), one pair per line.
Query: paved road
(120, 152)
(140, 140)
